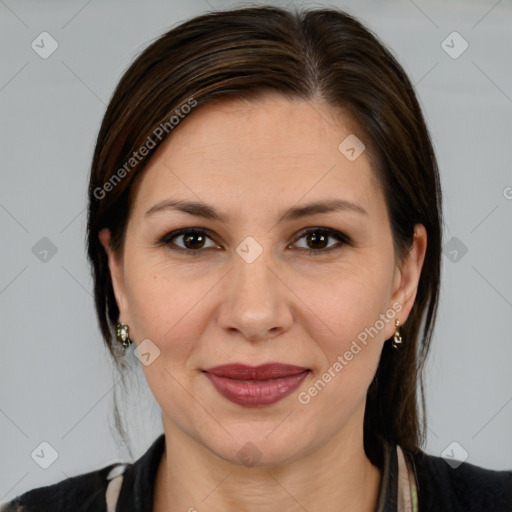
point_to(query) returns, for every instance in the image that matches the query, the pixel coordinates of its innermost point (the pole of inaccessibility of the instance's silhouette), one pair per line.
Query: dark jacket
(467, 488)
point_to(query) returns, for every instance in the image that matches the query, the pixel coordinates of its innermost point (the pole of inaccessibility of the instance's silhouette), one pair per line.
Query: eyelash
(330, 233)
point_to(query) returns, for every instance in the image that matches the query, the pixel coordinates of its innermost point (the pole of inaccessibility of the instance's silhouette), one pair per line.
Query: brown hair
(313, 54)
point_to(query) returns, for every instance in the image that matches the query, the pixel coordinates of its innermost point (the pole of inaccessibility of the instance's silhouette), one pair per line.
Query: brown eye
(193, 241)
(317, 240)
(189, 240)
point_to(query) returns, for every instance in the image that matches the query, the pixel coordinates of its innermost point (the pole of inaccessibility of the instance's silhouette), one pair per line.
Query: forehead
(259, 152)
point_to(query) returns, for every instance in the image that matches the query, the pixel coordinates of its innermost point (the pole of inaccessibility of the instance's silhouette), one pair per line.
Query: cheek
(170, 313)
(349, 348)
(167, 309)
(347, 307)
(173, 308)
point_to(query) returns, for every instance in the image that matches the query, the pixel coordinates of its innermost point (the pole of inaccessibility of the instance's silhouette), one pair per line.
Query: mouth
(256, 386)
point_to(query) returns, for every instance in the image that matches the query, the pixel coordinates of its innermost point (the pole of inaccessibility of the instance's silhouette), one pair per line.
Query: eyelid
(330, 232)
(166, 239)
(342, 238)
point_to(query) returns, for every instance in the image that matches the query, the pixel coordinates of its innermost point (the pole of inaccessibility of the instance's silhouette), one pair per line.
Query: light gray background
(56, 378)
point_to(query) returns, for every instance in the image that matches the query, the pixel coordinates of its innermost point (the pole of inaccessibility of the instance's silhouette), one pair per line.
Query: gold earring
(122, 335)
(397, 338)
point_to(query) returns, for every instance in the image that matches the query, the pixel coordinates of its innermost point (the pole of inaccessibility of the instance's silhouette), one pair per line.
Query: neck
(336, 476)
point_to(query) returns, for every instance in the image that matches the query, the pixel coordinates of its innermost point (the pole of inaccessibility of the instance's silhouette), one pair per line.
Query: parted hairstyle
(315, 54)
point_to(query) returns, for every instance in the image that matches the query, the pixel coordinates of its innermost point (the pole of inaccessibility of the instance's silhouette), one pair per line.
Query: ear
(407, 274)
(116, 274)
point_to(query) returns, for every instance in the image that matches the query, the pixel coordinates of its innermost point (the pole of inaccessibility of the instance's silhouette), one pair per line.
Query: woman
(265, 231)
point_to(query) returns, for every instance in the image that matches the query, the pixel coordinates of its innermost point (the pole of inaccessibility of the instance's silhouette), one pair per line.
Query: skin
(252, 160)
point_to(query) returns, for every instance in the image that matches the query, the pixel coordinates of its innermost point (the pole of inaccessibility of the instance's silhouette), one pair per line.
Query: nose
(256, 303)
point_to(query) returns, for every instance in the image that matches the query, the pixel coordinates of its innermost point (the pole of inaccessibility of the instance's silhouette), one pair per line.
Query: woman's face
(259, 289)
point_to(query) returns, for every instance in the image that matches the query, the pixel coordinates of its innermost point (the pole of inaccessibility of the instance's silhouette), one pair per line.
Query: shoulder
(463, 488)
(87, 492)
(81, 493)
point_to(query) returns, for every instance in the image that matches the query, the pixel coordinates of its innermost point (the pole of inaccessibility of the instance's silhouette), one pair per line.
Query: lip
(256, 386)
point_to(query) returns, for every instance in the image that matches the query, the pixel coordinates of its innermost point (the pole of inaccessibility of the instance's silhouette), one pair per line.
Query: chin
(257, 449)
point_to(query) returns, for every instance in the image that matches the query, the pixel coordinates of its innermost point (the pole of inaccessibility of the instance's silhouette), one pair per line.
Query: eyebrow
(205, 211)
